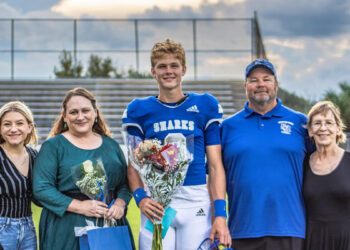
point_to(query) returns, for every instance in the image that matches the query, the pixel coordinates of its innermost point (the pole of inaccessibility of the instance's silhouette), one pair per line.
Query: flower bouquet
(162, 167)
(90, 177)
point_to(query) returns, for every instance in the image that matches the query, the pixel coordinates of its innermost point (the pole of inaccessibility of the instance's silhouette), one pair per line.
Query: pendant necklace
(12, 158)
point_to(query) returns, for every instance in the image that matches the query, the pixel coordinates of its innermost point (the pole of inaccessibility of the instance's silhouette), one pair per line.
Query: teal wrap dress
(53, 176)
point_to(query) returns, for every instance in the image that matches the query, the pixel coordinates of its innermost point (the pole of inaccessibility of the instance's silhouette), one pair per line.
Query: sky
(307, 41)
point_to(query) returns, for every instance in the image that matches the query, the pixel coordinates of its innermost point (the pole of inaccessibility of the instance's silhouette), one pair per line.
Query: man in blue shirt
(263, 150)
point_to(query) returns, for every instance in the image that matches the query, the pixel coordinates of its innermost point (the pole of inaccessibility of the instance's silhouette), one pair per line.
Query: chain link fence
(216, 48)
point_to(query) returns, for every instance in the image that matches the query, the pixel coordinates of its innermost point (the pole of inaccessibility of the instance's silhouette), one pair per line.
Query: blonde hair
(322, 108)
(165, 48)
(100, 127)
(20, 107)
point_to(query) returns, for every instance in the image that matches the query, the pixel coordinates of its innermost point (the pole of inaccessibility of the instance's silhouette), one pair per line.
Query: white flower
(88, 167)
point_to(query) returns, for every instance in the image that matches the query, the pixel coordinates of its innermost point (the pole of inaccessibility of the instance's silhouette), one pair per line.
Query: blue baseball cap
(259, 63)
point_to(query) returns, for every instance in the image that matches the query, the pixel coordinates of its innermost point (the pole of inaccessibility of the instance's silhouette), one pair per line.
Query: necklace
(326, 167)
(13, 158)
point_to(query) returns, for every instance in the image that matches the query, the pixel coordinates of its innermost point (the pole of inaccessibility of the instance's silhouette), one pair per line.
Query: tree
(342, 100)
(67, 67)
(134, 74)
(293, 101)
(102, 68)
(107, 68)
(97, 68)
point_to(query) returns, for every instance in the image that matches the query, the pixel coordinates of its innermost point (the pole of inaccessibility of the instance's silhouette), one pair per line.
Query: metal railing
(72, 37)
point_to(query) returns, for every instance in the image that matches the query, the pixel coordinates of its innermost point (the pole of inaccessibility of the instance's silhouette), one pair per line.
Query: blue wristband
(139, 194)
(220, 208)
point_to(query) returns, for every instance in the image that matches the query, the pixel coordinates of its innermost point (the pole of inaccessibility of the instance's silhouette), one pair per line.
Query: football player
(197, 115)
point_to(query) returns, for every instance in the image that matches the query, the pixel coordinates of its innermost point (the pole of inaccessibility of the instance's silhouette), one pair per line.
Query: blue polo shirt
(263, 158)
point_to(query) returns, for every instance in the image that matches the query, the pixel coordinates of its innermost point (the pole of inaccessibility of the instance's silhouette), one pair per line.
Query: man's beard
(262, 101)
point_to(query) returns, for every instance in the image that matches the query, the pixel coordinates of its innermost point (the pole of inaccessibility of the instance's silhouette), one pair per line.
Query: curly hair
(168, 47)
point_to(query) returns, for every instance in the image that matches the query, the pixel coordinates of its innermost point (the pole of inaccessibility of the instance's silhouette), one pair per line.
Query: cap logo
(259, 62)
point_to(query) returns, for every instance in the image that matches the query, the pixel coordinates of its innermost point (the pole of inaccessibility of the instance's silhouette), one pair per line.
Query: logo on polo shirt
(286, 127)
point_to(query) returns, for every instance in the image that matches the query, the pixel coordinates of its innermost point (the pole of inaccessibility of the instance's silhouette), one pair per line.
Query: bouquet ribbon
(101, 196)
(169, 216)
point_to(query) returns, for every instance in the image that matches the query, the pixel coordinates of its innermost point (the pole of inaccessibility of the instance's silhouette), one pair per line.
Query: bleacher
(45, 97)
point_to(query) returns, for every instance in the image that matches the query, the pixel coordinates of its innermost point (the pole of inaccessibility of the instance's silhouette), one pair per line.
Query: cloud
(289, 43)
(207, 9)
(306, 41)
(29, 6)
(299, 18)
(8, 12)
(309, 72)
(122, 8)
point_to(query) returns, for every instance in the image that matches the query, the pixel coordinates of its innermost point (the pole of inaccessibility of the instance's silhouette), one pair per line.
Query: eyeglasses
(327, 124)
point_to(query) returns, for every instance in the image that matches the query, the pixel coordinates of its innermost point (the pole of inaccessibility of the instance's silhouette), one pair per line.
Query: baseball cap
(260, 62)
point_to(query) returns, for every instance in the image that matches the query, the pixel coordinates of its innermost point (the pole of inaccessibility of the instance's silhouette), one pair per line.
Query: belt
(77, 196)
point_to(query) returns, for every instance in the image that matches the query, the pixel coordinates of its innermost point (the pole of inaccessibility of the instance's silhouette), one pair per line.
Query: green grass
(133, 218)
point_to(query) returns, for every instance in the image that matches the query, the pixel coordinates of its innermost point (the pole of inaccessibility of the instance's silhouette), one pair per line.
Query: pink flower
(170, 154)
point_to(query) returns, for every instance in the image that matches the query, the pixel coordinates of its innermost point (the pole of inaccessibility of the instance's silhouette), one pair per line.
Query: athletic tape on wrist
(139, 194)
(220, 208)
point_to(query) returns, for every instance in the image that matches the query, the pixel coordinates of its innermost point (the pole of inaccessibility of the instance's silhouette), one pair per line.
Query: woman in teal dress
(79, 134)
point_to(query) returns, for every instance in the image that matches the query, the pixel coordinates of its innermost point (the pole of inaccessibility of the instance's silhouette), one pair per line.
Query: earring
(96, 120)
(65, 125)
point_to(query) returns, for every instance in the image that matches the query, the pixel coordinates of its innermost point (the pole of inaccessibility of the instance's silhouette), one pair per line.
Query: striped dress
(15, 188)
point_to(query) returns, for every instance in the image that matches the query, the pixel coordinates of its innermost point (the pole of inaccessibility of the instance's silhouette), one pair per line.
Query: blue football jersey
(191, 118)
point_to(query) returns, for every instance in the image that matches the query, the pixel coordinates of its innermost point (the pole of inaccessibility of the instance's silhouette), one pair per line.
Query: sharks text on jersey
(173, 124)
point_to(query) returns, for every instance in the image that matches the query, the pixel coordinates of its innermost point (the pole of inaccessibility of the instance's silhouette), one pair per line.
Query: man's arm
(217, 190)
(148, 207)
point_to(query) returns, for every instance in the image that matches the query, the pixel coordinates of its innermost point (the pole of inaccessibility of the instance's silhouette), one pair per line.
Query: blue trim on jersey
(135, 131)
(213, 121)
(126, 126)
(212, 134)
(263, 159)
(191, 117)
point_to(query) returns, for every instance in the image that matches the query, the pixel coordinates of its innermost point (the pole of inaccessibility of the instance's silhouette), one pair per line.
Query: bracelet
(220, 208)
(139, 194)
